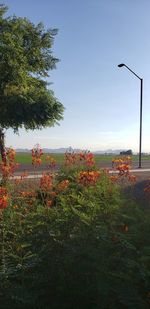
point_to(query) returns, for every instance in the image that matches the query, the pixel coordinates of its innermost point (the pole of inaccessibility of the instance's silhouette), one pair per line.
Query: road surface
(102, 164)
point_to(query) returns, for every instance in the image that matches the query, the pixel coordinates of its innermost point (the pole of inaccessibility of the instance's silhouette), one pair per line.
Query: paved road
(142, 173)
(102, 164)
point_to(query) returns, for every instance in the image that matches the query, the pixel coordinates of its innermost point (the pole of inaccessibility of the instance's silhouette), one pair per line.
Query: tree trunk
(2, 146)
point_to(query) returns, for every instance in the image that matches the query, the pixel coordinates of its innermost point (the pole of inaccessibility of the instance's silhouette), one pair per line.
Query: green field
(59, 157)
(26, 158)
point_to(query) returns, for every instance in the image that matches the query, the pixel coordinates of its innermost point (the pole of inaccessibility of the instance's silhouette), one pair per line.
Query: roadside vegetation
(73, 239)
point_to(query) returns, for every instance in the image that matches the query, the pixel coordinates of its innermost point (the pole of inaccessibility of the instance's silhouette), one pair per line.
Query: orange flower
(88, 177)
(28, 194)
(70, 158)
(8, 166)
(122, 168)
(46, 182)
(36, 155)
(4, 198)
(10, 154)
(51, 161)
(36, 161)
(4, 201)
(63, 185)
(122, 164)
(83, 157)
(113, 178)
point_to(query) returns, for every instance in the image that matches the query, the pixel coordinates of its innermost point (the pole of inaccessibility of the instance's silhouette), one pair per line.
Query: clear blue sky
(101, 101)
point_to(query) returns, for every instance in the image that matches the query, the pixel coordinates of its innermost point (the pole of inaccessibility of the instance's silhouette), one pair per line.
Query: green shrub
(91, 249)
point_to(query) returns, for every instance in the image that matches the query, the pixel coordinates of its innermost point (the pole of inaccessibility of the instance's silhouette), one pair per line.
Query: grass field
(59, 157)
(26, 157)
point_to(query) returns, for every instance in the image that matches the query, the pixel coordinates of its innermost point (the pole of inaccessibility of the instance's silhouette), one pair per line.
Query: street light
(141, 97)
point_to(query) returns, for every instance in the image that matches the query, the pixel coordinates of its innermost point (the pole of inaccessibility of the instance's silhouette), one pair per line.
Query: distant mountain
(70, 149)
(61, 150)
(48, 150)
(22, 150)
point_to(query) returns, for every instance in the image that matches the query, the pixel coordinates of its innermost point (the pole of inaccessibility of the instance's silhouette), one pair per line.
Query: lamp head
(121, 65)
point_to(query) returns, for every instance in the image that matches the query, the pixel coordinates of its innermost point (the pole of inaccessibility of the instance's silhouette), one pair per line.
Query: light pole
(141, 98)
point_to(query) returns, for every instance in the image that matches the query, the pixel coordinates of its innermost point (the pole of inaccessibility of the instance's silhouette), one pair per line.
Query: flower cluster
(29, 196)
(90, 159)
(36, 155)
(8, 167)
(71, 158)
(84, 157)
(46, 182)
(88, 177)
(49, 190)
(10, 155)
(3, 198)
(113, 178)
(63, 185)
(122, 165)
(59, 187)
(51, 162)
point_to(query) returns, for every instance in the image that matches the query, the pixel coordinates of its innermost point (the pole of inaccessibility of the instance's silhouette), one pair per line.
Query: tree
(25, 60)
(127, 152)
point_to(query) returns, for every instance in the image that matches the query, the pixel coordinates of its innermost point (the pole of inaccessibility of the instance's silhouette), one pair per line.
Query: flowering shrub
(8, 166)
(82, 158)
(46, 182)
(73, 239)
(123, 166)
(37, 154)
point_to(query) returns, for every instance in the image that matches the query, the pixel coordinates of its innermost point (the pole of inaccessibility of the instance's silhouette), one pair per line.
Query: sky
(102, 101)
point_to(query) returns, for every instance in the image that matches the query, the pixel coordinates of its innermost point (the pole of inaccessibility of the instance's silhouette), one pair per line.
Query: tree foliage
(25, 61)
